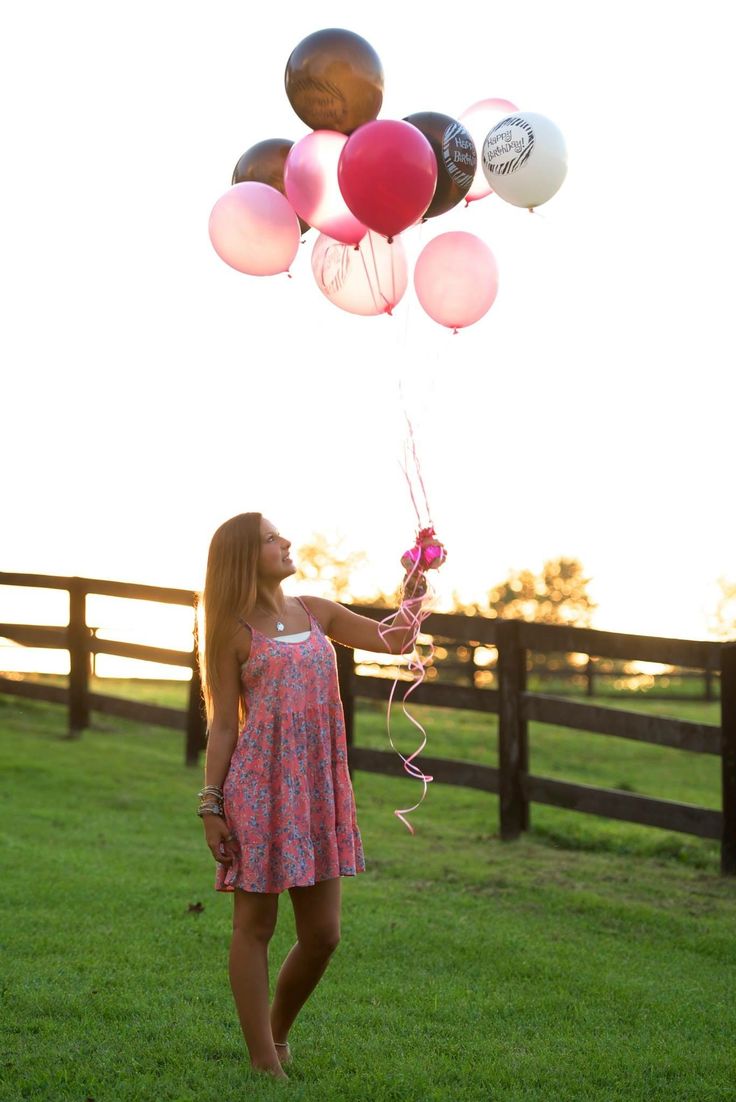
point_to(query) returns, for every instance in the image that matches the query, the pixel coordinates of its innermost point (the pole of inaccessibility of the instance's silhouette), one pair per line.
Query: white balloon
(525, 159)
(367, 279)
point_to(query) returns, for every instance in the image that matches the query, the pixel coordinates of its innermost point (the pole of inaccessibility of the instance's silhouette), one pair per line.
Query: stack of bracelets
(210, 801)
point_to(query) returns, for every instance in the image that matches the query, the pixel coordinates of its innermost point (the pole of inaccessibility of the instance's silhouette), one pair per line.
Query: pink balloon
(369, 280)
(480, 120)
(310, 179)
(254, 230)
(387, 174)
(456, 279)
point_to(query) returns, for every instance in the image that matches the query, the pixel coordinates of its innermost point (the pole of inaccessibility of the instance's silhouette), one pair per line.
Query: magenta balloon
(479, 119)
(310, 179)
(387, 175)
(254, 229)
(456, 279)
(369, 280)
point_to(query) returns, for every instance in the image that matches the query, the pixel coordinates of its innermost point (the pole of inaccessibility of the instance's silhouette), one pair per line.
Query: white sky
(150, 392)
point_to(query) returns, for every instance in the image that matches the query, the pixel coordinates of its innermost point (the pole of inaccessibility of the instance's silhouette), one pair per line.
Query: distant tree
(724, 621)
(558, 595)
(325, 561)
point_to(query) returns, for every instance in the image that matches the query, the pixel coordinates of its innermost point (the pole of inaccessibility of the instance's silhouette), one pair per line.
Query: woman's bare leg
(317, 915)
(254, 921)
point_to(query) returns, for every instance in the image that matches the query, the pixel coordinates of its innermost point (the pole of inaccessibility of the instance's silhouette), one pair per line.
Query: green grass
(590, 960)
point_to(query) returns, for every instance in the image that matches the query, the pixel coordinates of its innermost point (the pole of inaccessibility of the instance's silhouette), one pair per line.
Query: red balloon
(387, 175)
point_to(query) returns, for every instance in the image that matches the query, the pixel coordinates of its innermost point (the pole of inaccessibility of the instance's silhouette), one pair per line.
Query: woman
(277, 806)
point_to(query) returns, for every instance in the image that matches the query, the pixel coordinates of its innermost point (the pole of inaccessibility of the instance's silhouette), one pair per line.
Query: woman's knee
(321, 941)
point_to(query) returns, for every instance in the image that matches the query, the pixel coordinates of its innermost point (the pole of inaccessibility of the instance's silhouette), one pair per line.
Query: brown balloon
(334, 80)
(264, 163)
(456, 158)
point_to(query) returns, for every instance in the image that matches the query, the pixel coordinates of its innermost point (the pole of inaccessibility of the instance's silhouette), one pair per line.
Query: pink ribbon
(415, 610)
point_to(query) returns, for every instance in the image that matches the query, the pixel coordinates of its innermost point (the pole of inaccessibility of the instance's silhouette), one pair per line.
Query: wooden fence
(515, 706)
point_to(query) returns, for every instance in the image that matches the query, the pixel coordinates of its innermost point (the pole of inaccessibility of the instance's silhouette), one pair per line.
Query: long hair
(230, 590)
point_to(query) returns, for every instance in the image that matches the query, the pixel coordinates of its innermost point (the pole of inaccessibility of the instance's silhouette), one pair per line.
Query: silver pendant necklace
(279, 623)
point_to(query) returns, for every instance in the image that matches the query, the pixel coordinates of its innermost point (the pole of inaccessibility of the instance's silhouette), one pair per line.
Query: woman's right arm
(223, 728)
(221, 740)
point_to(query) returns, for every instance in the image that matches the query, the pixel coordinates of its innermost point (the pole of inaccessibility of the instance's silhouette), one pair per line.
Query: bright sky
(150, 391)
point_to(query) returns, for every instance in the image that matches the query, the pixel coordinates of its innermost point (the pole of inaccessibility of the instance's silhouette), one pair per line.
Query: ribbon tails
(426, 554)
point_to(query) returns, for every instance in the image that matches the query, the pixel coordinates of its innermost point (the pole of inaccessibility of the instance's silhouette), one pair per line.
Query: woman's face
(274, 562)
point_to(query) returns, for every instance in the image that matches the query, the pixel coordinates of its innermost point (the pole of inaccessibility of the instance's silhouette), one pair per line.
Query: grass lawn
(591, 960)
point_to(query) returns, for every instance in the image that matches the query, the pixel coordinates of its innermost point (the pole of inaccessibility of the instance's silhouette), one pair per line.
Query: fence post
(513, 743)
(196, 729)
(78, 643)
(728, 758)
(196, 723)
(345, 675)
(590, 671)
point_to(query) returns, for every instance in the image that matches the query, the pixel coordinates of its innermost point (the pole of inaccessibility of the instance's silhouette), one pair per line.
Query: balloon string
(368, 279)
(410, 450)
(415, 610)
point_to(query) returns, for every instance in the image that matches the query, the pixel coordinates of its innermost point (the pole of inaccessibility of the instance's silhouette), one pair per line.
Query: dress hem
(229, 889)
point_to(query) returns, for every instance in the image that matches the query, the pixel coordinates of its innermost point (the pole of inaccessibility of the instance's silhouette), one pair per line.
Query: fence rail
(512, 702)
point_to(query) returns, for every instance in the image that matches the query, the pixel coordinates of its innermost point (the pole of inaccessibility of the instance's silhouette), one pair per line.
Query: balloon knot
(390, 240)
(389, 310)
(289, 275)
(455, 332)
(356, 247)
(531, 210)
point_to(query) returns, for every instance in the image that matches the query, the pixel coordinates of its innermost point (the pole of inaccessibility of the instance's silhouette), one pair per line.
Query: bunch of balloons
(361, 182)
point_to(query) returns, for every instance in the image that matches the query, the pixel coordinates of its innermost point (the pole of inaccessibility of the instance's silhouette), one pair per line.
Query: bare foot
(276, 1072)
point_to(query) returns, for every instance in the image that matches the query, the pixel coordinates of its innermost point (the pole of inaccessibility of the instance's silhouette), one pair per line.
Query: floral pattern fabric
(288, 798)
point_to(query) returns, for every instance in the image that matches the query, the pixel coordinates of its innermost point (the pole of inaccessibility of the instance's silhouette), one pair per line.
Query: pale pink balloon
(456, 279)
(310, 180)
(369, 280)
(479, 120)
(254, 229)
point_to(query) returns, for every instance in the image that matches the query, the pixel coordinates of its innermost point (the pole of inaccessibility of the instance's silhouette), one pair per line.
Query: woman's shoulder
(321, 608)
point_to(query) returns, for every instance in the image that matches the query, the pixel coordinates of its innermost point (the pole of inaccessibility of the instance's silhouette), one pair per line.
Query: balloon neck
(390, 240)
(455, 332)
(356, 247)
(531, 210)
(389, 310)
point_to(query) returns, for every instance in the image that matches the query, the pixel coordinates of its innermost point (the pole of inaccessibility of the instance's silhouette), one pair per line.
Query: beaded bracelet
(210, 809)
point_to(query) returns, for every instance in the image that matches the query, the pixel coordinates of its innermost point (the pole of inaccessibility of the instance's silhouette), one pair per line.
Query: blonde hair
(230, 591)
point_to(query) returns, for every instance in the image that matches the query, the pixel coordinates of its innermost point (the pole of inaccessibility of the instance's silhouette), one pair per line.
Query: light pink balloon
(456, 279)
(369, 280)
(254, 229)
(310, 180)
(479, 120)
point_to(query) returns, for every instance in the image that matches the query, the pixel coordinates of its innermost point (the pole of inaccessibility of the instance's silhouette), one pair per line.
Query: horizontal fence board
(694, 653)
(439, 696)
(102, 586)
(445, 770)
(36, 635)
(155, 714)
(32, 690)
(628, 806)
(34, 581)
(701, 738)
(142, 652)
(137, 592)
(448, 625)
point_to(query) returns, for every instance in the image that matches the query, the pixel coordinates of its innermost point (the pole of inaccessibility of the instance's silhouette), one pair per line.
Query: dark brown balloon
(334, 81)
(456, 158)
(264, 164)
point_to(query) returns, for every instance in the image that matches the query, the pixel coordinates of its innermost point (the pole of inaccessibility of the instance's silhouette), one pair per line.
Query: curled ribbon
(425, 553)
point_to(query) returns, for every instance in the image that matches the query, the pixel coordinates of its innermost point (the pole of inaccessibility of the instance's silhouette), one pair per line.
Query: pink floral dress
(288, 798)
